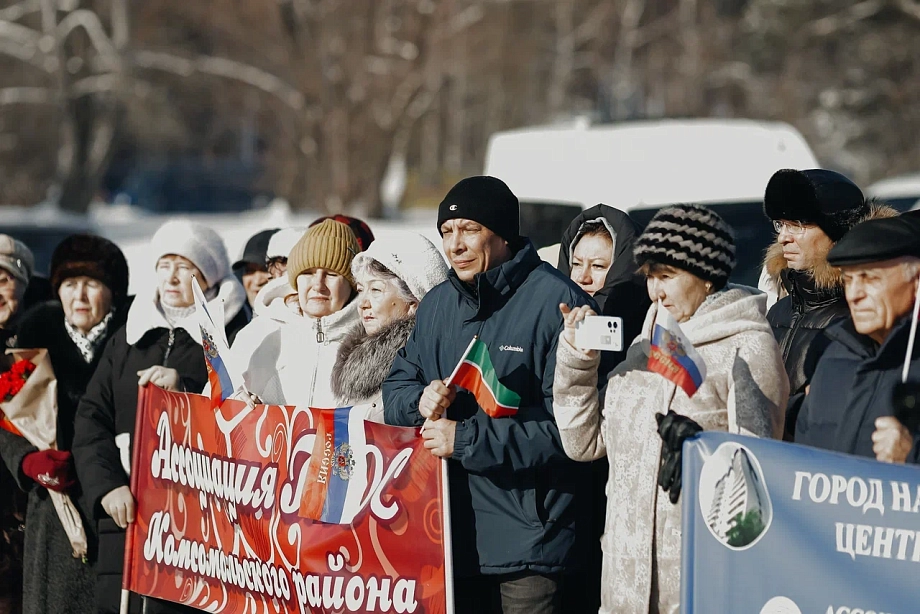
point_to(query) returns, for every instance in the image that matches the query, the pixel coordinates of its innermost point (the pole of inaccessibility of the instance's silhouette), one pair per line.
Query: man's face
(472, 248)
(879, 295)
(254, 277)
(804, 245)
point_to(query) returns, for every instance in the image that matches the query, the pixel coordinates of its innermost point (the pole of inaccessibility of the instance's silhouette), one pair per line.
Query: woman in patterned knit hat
(687, 254)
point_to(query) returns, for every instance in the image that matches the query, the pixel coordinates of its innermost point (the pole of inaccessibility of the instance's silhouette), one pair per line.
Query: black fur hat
(91, 256)
(817, 196)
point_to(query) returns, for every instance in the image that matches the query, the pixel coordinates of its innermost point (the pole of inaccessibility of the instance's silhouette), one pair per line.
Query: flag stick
(453, 374)
(447, 539)
(913, 334)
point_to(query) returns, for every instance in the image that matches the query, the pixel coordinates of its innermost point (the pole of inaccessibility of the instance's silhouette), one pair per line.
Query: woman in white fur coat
(288, 351)
(392, 277)
(687, 253)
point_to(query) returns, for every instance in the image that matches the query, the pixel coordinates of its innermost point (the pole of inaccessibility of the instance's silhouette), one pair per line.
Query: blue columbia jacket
(514, 493)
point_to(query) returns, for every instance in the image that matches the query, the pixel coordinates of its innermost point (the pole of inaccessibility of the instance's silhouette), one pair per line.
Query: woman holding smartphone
(686, 253)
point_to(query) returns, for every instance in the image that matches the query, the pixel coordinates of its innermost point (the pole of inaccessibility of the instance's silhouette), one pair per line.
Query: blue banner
(775, 528)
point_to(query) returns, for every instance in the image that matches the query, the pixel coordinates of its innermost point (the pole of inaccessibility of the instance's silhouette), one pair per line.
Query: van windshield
(753, 234)
(543, 223)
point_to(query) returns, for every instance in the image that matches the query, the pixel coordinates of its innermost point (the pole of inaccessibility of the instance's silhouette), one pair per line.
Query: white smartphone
(600, 333)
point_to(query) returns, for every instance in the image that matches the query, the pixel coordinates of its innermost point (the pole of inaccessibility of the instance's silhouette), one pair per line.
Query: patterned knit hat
(329, 245)
(691, 238)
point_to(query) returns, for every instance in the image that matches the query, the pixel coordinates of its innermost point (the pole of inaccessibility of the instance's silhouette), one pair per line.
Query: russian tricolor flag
(337, 471)
(673, 356)
(216, 349)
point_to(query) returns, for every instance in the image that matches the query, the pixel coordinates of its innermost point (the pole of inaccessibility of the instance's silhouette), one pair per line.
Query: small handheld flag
(214, 343)
(476, 374)
(673, 356)
(337, 473)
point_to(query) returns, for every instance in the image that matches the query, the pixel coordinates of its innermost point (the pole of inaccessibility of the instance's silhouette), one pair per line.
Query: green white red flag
(476, 374)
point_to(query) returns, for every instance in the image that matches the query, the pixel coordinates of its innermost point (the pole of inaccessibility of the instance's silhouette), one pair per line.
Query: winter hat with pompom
(197, 243)
(691, 238)
(411, 257)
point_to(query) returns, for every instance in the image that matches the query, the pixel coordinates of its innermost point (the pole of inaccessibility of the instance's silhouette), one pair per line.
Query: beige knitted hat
(329, 245)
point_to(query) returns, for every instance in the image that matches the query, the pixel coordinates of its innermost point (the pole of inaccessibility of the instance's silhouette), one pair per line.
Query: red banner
(224, 500)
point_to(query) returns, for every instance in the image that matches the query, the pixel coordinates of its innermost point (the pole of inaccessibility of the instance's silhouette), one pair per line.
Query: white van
(640, 167)
(901, 192)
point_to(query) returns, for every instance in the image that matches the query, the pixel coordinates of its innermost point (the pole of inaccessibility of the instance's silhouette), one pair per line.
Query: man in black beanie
(515, 496)
(810, 210)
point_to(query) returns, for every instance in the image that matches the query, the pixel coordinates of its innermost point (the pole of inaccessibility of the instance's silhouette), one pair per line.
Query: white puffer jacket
(288, 357)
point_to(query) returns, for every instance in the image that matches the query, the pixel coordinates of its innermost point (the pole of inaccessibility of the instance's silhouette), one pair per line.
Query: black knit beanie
(816, 196)
(691, 238)
(90, 256)
(486, 200)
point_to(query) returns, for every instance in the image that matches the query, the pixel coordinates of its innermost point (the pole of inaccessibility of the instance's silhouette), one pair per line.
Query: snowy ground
(132, 228)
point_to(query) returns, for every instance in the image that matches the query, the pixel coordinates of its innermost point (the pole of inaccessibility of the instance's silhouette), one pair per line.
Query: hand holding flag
(223, 380)
(673, 356)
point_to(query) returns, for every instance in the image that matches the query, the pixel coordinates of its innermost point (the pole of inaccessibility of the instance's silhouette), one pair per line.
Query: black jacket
(108, 410)
(624, 294)
(53, 580)
(852, 386)
(514, 493)
(798, 322)
(814, 302)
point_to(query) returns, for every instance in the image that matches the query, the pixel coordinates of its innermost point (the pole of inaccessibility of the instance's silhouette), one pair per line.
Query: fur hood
(145, 314)
(364, 361)
(826, 277)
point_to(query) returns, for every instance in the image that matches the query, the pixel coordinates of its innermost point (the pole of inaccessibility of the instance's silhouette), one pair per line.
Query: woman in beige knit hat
(289, 349)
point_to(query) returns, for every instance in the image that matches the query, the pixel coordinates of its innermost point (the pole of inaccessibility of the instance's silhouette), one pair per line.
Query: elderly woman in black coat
(89, 275)
(159, 344)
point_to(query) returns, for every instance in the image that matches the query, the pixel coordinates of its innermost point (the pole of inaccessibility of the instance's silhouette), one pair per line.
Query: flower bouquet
(28, 408)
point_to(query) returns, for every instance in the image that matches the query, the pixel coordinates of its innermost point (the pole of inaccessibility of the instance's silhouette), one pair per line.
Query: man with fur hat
(850, 405)
(515, 495)
(811, 210)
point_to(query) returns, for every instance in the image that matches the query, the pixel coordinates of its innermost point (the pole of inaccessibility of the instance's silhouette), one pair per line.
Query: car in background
(641, 166)
(902, 192)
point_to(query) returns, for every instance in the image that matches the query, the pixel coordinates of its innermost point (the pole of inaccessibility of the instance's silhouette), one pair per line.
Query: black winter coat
(852, 386)
(514, 493)
(106, 412)
(54, 581)
(798, 322)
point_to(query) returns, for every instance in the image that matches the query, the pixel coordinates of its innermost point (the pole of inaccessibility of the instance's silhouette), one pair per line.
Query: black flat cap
(256, 246)
(878, 240)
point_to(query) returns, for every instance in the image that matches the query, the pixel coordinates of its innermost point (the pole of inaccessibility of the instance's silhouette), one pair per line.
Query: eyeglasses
(794, 228)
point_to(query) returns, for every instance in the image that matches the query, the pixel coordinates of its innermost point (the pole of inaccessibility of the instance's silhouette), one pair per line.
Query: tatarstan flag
(476, 374)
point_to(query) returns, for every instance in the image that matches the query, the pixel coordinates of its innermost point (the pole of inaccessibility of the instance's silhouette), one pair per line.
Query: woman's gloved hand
(674, 429)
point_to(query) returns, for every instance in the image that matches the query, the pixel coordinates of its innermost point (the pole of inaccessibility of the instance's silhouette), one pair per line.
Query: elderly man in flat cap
(850, 405)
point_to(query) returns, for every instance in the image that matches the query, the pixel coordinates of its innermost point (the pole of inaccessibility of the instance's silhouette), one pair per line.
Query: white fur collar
(145, 314)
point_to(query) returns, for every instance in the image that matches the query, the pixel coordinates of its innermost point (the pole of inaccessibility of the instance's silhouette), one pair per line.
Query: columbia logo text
(511, 348)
